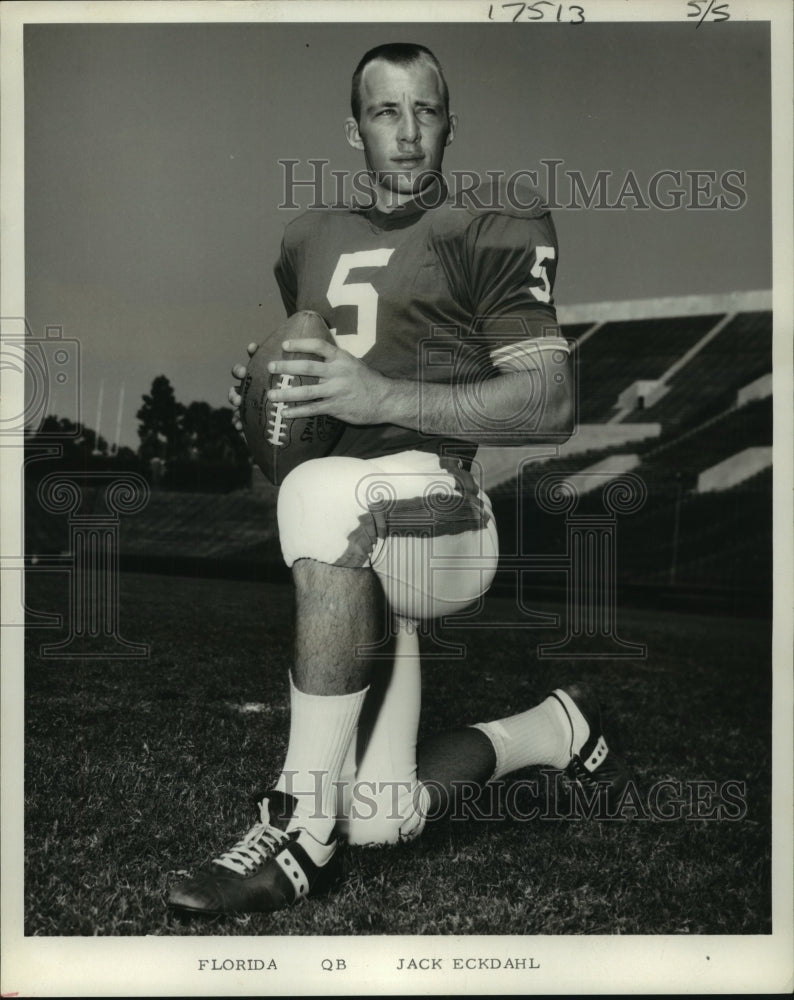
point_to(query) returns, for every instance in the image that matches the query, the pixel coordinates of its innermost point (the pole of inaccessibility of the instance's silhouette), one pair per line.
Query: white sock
(541, 735)
(386, 771)
(321, 728)
(391, 749)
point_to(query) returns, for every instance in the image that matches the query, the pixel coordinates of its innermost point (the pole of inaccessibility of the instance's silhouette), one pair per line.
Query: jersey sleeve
(501, 266)
(509, 267)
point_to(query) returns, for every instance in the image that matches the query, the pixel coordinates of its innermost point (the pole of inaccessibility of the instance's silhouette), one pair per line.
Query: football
(278, 443)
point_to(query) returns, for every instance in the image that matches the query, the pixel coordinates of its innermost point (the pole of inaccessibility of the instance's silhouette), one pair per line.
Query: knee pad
(387, 812)
(357, 513)
(319, 510)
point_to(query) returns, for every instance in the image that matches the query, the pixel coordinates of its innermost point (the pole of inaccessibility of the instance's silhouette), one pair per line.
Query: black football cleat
(268, 869)
(593, 765)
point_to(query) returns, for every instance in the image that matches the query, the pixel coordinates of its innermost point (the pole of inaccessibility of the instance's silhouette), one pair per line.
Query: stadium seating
(177, 530)
(620, 353)
(739, 353)
(702, 446)
(714, 542)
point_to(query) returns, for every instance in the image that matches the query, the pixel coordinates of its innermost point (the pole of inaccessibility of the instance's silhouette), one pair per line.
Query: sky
(153, 183)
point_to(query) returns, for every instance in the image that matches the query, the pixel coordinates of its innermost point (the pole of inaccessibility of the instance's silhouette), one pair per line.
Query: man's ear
(453, 125)
(353, 135)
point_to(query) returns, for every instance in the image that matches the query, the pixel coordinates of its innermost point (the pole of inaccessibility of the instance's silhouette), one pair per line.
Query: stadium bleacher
(624, 352)
(714, 542)
(740, 353)
(719, 541)
(233, 533)
(697, 448)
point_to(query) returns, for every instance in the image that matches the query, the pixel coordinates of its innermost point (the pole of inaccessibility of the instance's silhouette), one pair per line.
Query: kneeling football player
(445, 335)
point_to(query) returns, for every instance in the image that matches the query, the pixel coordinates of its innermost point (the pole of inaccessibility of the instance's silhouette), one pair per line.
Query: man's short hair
(398, 54)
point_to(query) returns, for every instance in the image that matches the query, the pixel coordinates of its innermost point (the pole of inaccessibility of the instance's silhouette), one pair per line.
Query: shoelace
(578, 772)
(260, 843)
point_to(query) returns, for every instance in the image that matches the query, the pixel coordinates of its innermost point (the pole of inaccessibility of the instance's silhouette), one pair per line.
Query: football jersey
(446, 294)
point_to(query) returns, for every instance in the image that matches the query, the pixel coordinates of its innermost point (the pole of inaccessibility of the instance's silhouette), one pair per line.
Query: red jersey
(445, 294)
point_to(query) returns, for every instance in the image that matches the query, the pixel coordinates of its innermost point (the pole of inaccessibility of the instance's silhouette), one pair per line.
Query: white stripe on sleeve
(523, 355)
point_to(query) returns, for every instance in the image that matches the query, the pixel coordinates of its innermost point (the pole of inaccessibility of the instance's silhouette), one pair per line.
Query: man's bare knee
(322, 579)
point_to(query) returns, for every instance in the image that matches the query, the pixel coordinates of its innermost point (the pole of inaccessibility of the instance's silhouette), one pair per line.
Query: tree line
(181, 447)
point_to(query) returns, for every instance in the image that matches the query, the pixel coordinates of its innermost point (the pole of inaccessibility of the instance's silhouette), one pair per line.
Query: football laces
(277, 421)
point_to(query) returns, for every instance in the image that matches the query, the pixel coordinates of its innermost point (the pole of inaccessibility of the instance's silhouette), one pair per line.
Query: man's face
(403, 128)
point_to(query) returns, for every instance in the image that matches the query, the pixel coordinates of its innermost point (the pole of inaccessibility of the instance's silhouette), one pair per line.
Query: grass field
(136, 770)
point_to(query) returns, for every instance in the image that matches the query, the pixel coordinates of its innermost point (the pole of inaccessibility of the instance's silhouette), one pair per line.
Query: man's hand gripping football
(348, 388)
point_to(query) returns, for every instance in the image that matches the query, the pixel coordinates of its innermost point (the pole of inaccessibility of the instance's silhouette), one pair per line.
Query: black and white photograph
(396, 534)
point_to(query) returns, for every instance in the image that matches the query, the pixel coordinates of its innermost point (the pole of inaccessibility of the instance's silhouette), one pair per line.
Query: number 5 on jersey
(360, 294)
(538, 271)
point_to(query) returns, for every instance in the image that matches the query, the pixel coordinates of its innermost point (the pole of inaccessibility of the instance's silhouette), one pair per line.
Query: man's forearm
(510, 409)
(530, 405)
